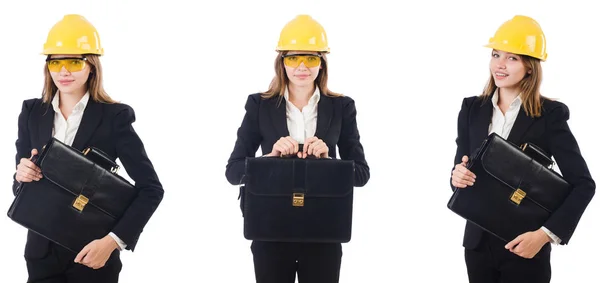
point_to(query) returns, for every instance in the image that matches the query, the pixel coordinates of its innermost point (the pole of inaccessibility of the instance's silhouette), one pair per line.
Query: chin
(65, 89)
(303, 83)
(505, 84)
(70, 89)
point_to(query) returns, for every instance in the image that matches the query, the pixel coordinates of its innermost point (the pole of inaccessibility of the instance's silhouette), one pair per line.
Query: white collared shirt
(302, 123)
(502, 124)
(65, 131)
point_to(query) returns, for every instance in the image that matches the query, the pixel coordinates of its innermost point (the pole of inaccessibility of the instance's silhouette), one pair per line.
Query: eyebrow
(508, 53)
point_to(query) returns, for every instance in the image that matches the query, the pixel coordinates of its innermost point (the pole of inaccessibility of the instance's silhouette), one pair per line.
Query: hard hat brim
(77, 51)
(302, 48)
(506, 48)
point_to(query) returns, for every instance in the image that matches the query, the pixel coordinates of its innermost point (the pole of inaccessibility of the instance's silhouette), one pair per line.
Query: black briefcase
(292, 199)
(515, 190)
(79, 199)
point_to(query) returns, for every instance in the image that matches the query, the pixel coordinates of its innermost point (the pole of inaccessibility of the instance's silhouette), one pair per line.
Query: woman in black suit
(76, 110)
(512, 106)
(298, 109)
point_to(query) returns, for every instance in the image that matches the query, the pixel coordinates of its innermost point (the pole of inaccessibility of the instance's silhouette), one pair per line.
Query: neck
(68, 100)
(300, 93)
(507, 95)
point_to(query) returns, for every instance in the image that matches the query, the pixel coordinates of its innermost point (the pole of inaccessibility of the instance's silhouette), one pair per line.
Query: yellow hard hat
(303, 33)
(73, 35)
(520, 35)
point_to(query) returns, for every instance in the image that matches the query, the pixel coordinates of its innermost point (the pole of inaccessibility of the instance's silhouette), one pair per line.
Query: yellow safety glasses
(71, 64)
(309, 60)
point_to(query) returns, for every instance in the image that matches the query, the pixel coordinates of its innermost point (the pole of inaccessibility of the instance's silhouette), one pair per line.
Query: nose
(501, 63)
(302, 66)
(64, 71)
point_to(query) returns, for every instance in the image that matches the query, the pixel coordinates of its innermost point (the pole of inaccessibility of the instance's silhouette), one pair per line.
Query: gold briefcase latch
(523, 146)
(114, 169)
(517, 196)
(298, 199)
(80, 202)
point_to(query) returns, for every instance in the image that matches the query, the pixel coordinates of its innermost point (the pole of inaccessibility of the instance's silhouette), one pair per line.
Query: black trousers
(490, 262)
(57, 266)
(276, 262)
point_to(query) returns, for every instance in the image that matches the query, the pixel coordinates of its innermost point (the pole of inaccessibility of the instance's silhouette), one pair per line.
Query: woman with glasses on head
(299, 109)
(512, 107)
(75, 109)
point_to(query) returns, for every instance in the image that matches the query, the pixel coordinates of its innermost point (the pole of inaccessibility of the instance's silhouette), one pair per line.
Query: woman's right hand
(27, 171)
(461, 176)
(285, 146)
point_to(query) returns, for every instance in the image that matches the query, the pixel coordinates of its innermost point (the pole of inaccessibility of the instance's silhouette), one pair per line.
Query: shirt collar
(80, 106)
(515, 103)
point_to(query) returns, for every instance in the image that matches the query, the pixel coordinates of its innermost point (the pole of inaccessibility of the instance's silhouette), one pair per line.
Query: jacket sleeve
(247, 143)
(350, 146)
(563, 146)
(131, 152)
(23, 142)
(462, 139)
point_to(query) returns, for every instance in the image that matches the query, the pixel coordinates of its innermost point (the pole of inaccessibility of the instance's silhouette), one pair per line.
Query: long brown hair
(280, 81)
(529, 86)
(93, 85)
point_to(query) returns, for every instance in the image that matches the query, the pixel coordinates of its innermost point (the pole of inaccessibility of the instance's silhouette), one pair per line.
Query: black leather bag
(292, 199)
(79, 199)
(514, 192)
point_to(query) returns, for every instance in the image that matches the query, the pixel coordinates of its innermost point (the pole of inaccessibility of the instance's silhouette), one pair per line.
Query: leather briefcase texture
(515, 190)
(79, 199)
(290, 199)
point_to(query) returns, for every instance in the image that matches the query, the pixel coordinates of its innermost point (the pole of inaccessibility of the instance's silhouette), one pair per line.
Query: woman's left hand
(528, 244)
(97, 252)
(316, 147)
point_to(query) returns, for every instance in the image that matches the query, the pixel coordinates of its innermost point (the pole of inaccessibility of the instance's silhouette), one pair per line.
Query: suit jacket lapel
(522, 124)
(324, 115)
(45, 125)
(277, 112)
(92, 116)
(482, 120)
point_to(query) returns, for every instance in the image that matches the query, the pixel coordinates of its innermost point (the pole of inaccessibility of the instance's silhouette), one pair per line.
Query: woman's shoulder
(554, 107)
(476, 99)
(32, 105)
(551, 104)
(117, 107)
(32, 102)
(259, 98)
(119, 110)
(468, 102)
(344, 100)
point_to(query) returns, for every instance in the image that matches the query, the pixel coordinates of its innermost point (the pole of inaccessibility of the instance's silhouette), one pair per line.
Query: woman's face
(69, 73)
(507, 69)
(302, 67)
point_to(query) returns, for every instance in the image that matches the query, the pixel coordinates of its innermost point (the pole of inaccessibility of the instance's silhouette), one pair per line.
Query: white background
(187, 68)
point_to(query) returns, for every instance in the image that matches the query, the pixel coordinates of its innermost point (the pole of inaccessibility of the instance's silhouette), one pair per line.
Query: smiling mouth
(501, 75)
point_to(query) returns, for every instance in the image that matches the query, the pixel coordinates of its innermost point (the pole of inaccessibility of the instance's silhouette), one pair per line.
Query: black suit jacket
(107, 127)
(265, 123)
(551, 133)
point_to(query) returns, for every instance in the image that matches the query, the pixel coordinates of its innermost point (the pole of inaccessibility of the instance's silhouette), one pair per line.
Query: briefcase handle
(537, 154)
(92, 153)
(300, 148)
(99, 157)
